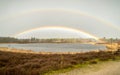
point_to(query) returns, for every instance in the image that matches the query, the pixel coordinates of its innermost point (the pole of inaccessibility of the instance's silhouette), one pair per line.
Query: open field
(12, 63)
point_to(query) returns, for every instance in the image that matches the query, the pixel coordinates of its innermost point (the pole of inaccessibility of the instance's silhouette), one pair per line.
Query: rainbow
(63, 10)
(58, 28)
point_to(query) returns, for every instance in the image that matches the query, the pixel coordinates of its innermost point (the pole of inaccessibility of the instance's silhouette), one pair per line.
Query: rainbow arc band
(57, 27)
(61, 10)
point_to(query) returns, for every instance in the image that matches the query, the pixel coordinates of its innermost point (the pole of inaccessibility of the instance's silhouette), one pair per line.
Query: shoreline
(6, 49)
(45, 52)
(109, 47)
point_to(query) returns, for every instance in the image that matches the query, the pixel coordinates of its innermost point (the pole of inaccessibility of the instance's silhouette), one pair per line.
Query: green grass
(81, 66)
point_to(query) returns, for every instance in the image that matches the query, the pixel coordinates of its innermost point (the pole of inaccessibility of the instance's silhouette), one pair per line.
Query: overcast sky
(97, 17)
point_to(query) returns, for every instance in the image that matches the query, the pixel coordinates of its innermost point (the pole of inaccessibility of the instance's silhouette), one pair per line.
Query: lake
(56, 47)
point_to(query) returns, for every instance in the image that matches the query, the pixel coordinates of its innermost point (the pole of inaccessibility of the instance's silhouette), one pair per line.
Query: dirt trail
(107, 68)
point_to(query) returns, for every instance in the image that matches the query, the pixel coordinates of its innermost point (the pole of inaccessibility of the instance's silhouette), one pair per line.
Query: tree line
(53, 40)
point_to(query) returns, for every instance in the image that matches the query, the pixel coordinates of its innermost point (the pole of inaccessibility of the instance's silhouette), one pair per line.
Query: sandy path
(107, 68)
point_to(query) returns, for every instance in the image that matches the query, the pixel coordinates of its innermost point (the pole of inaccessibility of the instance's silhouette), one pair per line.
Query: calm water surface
(54, 47)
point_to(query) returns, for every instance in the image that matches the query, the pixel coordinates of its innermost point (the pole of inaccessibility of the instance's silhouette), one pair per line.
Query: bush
(38, 64)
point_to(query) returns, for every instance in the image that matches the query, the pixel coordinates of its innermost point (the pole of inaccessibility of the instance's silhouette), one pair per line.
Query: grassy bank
(12, 63)
(101, 68)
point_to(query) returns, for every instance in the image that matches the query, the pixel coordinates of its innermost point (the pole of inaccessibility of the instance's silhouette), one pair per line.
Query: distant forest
(53, 40)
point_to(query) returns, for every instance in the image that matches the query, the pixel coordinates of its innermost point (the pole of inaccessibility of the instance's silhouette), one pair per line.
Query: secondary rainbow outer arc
(49, 27)
(70, 11)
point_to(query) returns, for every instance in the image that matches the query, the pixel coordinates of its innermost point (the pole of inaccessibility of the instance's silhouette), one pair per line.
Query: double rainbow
(64, 28)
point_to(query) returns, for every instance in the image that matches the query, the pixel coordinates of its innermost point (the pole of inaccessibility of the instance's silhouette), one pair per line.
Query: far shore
(53, 42)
